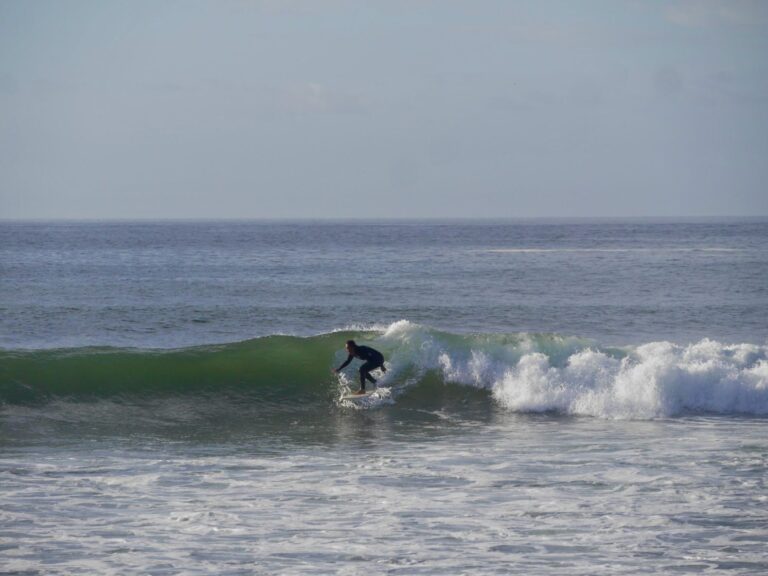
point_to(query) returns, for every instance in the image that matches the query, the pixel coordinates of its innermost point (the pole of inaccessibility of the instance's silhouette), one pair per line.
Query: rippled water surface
(513, 494)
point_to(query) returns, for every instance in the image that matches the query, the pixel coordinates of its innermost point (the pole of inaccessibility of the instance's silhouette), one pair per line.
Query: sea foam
(540, 373)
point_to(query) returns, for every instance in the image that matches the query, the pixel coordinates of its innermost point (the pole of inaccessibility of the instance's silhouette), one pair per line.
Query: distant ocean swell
(519, 372)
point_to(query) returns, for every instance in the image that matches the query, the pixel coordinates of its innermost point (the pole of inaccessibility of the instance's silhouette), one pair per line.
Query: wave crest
(540, 373)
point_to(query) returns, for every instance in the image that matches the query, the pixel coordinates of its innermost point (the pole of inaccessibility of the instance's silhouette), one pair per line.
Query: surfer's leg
(365, 374)
(362, 377)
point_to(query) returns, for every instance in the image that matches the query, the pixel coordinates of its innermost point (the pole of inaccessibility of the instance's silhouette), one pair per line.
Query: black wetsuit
(373, 359)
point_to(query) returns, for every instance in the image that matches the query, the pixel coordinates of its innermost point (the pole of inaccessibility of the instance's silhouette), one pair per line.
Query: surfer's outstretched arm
(340, 368)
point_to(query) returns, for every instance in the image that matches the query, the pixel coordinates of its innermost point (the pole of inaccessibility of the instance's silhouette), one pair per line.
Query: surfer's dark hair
(351, 343)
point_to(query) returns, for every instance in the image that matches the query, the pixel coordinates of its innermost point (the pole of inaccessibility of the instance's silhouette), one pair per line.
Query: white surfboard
(356, 396)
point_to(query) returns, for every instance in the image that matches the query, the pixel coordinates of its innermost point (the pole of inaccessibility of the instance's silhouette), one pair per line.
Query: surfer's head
(351, 346)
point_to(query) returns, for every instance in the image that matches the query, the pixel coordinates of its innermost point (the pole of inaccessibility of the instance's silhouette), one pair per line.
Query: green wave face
(272, 367)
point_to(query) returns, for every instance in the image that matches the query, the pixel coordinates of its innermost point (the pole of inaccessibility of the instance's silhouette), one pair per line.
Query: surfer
(373, 359)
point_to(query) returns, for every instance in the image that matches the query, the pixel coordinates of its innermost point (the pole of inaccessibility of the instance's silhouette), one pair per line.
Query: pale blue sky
(311, 108)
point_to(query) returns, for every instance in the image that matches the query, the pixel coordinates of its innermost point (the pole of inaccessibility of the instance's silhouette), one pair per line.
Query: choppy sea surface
(562, 397)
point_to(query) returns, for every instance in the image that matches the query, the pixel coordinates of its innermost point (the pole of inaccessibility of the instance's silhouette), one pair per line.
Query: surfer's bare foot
(360, 392)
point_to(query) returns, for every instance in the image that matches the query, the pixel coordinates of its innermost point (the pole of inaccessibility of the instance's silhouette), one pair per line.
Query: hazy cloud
(317, 98)
(705, 13)
(668, 80)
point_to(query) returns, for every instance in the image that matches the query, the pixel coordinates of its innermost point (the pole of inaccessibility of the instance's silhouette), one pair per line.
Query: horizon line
(315, 219)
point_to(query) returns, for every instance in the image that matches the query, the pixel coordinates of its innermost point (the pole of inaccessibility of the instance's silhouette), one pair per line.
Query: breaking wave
(518, 372)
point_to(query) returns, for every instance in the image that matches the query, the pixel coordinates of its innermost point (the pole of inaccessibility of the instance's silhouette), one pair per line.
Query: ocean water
(562, 397)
